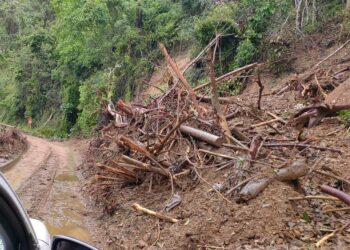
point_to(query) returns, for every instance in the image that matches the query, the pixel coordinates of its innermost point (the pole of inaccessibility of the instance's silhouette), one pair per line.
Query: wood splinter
(144, 210)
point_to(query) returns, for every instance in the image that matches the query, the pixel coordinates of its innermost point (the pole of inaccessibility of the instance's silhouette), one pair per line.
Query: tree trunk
(348, 4)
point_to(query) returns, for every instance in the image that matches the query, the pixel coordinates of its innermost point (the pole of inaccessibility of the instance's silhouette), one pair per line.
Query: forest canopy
(62, 60)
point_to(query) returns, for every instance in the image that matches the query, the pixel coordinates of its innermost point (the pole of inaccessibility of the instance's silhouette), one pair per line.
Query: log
(227, 75)
(136, 146)
(215, 97)
(202, 135)
(167, 137)
(144, 210)
(132, 163)
(181, 77)
(261, 89)
(125, 108)
(344, 197)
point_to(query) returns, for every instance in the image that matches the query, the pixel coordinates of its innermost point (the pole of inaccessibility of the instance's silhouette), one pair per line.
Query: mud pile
(12, 143)
(260, 188)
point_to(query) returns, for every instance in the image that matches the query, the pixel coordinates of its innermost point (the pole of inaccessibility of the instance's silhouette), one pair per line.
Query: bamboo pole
(202, 135)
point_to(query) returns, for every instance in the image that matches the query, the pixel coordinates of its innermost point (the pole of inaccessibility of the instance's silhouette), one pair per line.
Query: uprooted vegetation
(256, 185)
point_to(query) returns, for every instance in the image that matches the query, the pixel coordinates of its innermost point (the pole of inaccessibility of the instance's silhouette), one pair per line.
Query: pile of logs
(165, 138)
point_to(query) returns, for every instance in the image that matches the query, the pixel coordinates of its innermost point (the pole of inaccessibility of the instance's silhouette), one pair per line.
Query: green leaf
(306, 217)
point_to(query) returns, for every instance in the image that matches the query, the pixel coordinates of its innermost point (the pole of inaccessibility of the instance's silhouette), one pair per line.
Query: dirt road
(46, 182)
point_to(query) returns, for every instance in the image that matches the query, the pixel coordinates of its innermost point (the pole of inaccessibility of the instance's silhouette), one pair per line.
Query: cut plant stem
(303, 145)
(337, 210)
(331, 235)
(265, 123)
(215, 97)
(144, 210)
(277, 117)
(332, 176)
(260, 119)
(238, 142)
(202, 135)
(311, 197)
(228, 75)
(181, 77)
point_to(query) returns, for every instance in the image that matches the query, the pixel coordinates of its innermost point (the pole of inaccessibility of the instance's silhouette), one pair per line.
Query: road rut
(45, 180)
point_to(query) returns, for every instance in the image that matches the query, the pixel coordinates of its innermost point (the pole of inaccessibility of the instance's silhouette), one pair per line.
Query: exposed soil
(48, 186)
(12, 143)
(269, 221)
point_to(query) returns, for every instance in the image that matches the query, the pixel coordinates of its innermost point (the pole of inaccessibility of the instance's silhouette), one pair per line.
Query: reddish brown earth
(269, 221)
(12, 143)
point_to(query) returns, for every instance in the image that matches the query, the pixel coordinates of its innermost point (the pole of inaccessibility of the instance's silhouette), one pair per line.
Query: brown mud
(269, 221)
(48, 186)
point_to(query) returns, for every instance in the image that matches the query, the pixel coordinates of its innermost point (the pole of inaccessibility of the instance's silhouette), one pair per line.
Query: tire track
(46, 182)
(35, 192)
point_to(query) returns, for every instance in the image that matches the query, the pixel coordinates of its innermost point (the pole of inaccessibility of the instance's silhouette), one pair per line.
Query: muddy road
(47, 183)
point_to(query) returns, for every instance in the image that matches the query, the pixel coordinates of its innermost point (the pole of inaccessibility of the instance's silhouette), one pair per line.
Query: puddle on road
(66, 215)
(70, 230)
(66, 177)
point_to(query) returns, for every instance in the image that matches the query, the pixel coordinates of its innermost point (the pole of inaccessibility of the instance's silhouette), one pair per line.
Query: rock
(339, 96)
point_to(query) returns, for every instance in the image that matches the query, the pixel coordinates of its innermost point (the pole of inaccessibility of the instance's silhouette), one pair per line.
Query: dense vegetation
(61, 60)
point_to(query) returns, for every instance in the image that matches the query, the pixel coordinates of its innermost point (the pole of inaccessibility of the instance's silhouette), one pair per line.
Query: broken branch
(144, 210)
(227, 75)
(181, 77)
(344, 197)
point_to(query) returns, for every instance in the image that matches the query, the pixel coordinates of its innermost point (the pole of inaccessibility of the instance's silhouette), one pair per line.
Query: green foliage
(217, 20)
(256, 18)
(232, 87)
(345, 116)
(70, 103)
(93, 93)
(66, 58)
(246, 53)
(81, 31)
(195, 7)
